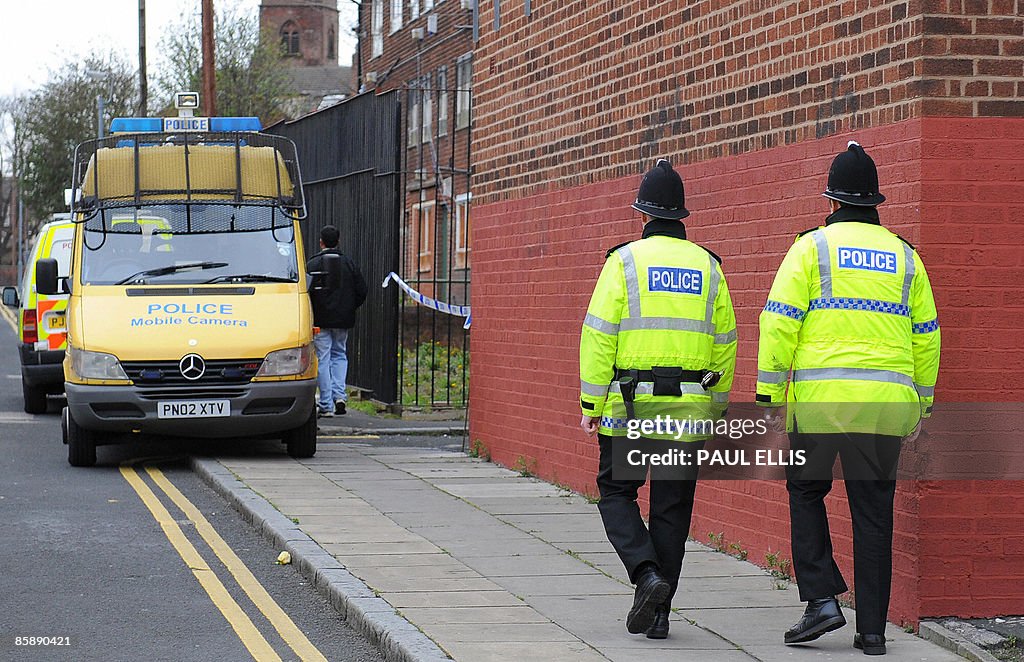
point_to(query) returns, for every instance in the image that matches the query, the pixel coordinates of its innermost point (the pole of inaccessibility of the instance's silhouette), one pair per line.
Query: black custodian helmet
(661, 193)
(853, 179)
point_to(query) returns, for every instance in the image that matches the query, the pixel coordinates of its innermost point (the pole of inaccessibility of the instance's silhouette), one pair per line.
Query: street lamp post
(100, 100)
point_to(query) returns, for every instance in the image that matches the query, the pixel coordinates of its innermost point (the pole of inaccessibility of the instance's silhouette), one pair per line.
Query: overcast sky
(41, 35)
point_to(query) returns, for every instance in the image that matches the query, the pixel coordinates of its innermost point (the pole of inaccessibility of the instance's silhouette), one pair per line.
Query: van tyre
(301, 441)
(35, 398)
(81, 444)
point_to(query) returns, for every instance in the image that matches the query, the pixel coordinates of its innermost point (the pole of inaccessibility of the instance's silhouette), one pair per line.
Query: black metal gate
(350, 159)
(434, 346)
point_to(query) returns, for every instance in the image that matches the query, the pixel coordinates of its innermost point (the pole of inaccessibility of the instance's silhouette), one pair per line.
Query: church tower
(306, 29)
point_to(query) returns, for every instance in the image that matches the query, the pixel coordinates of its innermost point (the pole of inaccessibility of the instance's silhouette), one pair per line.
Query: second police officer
(851, 314)
(659, 338)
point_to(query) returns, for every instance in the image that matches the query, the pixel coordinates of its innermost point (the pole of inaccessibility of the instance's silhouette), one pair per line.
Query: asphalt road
(83, 558)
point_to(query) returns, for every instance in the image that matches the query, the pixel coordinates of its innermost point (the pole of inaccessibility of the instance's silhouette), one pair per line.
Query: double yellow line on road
(250, 635)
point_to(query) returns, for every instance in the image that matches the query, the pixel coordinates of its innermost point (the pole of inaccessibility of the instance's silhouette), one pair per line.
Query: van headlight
(284, 362)
(96, 365)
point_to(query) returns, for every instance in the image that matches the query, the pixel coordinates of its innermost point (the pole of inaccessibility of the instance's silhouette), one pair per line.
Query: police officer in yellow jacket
(850, 343)
(659, 338)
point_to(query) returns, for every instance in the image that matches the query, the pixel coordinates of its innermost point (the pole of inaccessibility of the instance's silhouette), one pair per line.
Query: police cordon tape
(423, 300)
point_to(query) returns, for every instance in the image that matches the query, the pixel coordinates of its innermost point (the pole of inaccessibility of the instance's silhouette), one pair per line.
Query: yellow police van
(42, 324)
(189, 314)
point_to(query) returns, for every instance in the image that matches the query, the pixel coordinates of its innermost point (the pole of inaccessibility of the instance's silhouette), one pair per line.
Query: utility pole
(143, 84)
(209, 83)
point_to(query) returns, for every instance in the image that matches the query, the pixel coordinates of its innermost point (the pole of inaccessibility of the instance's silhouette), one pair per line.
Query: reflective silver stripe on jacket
(598, 324)
(709, 312)
(770, 377)
(719, 397)
(632, 284)
(647, 388)
(908, 276)
(725, 338)
(863, 374)
(824, 262)
(925, 391)
(595, 390)
(666, 324)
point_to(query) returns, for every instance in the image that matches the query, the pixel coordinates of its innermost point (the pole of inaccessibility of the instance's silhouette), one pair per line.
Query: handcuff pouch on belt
(627, 386)
(666, 381)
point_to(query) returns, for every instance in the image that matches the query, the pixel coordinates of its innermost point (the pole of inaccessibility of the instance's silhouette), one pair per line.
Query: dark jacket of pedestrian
(335, 304)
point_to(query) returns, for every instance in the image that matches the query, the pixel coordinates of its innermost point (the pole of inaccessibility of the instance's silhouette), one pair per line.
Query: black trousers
(663, 541)
(869, 464)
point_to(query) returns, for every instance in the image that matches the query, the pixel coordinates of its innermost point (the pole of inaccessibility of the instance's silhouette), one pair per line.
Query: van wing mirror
(330, 272)
(46, 276)
(11, 297)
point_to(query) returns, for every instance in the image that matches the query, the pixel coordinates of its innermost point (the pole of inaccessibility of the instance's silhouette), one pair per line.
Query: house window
(290, 39)
(413, 124)
(331, 39)
(428, 5)
(377, 28)
(414, 9)
(442, 101)
(462, 230)
(424, 215)
(428, 109)
(396, 15)
(464, 91)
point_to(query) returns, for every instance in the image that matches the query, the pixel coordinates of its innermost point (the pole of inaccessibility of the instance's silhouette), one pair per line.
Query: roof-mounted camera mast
(186, 160)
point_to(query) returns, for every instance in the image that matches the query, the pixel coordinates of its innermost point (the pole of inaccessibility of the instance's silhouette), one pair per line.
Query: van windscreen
(159, 245)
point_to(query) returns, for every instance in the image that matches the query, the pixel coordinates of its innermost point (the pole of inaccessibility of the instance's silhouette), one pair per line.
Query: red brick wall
(972, 180)
(752, 102)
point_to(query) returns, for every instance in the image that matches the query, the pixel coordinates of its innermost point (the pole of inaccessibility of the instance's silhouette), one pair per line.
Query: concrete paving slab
(504, 632)
(454, 599)
(512, 489)
(496, 615)
(372, 559)
(541, 506)
(523, 652)
(552, 562)
(389, 585)
(682, 637)
(672, 655)
(340, 549)
(735, 599)
(568, 585)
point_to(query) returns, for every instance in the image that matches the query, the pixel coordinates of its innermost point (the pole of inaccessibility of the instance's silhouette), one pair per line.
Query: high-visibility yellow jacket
(851, 313)
(660, 301)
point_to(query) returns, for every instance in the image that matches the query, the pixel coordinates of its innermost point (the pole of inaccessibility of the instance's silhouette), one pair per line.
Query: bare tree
(250, 72)
(53, 119)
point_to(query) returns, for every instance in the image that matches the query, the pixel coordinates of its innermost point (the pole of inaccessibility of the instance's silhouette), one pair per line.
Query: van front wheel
(81, 444)
(301, 441)
(35, 398)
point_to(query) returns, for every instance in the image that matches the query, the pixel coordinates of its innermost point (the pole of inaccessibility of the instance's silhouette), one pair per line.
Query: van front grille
(167, 373)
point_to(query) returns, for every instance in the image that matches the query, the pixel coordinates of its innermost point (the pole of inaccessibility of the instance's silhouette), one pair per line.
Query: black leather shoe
(821, 616)
(871, 644)
(659, 629)
(651, 591)
(339, 407)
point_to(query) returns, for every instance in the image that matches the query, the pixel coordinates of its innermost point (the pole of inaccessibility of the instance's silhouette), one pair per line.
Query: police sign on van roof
(177, 124)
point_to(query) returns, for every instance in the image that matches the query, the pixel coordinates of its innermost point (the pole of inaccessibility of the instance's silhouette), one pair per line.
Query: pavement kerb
(398, 639)
(936, 633)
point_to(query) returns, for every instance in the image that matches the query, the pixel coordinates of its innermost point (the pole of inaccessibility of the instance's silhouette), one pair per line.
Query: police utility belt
(666, 382)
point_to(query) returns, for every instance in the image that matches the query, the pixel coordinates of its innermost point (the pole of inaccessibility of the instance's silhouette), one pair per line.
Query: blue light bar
(235, 124)
(135, 125)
